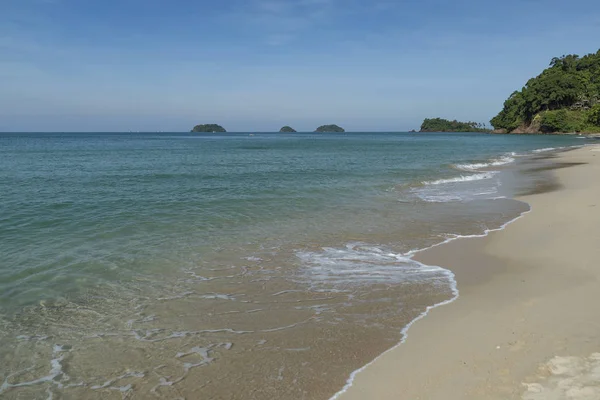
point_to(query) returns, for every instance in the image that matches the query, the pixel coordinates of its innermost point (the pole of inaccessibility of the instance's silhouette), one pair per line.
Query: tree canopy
(571, 83)
(444, 125)
(208, 128)
(287, 129)
(330, 128)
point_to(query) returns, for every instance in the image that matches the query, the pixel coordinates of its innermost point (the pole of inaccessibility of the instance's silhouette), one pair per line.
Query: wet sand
(527, 322)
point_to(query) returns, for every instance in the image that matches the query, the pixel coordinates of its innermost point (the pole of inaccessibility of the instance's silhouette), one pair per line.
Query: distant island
(444, 125)
(330, 128)
(287, 129)
(564, 98)
(208, 128)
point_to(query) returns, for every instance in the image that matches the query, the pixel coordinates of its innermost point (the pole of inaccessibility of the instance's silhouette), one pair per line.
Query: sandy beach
(526, 324)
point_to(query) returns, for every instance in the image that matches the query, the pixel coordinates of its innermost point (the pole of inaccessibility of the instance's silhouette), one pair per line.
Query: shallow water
(237, 266)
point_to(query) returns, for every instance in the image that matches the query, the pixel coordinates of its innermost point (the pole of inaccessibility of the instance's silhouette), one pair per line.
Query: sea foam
(360, 264)
(497, 162)
(462, 178)
(545, 149)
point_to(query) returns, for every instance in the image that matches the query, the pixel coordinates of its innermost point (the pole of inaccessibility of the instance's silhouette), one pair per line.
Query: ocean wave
(462, 178)
(439, 198)
(546, 149)
(446, 197)
(360, 263)
(497, 162)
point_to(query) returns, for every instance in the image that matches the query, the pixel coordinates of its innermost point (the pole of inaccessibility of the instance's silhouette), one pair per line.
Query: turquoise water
(139, 218)
(81, 208)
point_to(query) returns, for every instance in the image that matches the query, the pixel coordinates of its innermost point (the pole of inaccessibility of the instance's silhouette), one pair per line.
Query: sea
(238, 265)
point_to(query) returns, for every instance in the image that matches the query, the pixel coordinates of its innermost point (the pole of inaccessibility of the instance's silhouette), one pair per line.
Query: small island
(287, 129)
(444, 125)
(211, 128)
(330, 128)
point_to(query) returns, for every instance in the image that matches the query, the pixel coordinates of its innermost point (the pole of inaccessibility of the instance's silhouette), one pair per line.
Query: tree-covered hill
(209, 128)
(565, 97)
(287, 129)
(330, 128)
(444, 125)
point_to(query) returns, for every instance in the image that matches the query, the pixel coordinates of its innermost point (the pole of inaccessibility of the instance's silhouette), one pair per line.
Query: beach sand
(526, 324)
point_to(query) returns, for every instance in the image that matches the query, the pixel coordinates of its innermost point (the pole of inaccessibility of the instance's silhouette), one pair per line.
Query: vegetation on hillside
(287, 129)
(565, 97)
(208, 128)
(330, 128)
(444, 125)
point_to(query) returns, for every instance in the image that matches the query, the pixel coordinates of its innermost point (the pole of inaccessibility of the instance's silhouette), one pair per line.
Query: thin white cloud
(274, 6)
(279, 39)
(279, 22)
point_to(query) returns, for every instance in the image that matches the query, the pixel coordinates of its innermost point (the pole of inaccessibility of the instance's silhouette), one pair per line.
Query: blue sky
(148, 65)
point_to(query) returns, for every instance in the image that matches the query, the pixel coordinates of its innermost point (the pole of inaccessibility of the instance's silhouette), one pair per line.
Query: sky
(256, 65)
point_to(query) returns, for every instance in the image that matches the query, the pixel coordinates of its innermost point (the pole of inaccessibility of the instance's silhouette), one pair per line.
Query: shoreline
(404, 332)
(160, 327)
(431, 363)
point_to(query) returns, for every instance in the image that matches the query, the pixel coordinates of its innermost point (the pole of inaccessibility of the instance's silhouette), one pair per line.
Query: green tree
(554, 121)
(287, 129)
(594, 115)
(208, 128)
(444, 125)
(571, 82)
(330, 128)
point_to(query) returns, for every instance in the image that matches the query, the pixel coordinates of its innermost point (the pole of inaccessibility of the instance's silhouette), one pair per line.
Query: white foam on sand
(567, 378)
(109, 384)
(55, 376)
